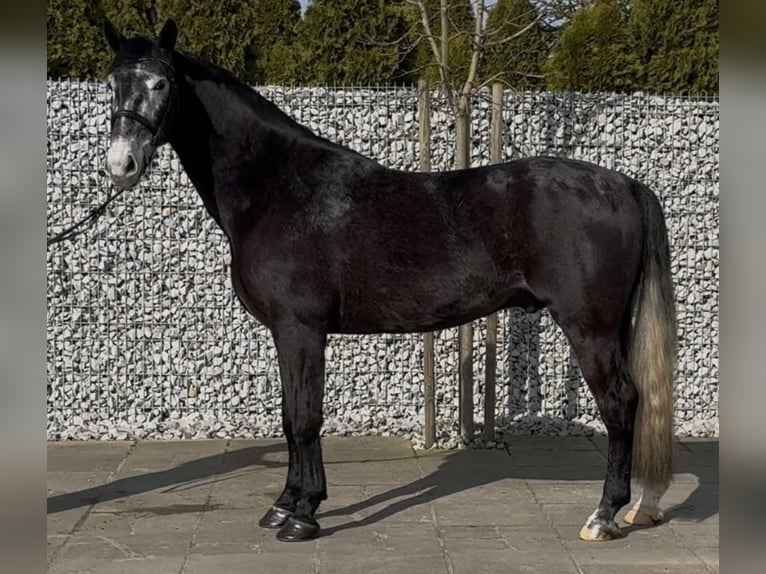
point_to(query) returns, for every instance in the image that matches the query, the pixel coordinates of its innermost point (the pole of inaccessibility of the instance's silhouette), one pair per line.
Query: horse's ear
(113, 36)
(168, 35)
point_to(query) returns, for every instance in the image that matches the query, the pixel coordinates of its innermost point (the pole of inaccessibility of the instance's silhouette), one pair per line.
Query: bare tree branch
(499, 77)
(501, 27)
(446, 75)
(440, 62)
(459, 91)
(476, 50)
(425, 22)
(515, 34)
(369, 41)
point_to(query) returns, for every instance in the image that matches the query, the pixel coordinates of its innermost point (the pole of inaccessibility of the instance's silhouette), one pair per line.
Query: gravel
(145, 338)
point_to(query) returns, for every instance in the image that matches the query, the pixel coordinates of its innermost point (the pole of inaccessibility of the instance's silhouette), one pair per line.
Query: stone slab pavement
(191, 507)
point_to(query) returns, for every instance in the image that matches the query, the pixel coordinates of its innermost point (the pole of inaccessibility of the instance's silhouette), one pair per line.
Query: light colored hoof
(598, 532)
(643, 516)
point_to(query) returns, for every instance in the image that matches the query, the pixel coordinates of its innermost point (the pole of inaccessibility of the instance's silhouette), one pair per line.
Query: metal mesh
(142, 323)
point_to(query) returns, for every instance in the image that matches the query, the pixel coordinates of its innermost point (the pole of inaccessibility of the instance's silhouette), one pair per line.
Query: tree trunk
(465, 341)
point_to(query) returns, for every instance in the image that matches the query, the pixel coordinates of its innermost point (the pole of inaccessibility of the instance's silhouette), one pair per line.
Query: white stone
(141, 306)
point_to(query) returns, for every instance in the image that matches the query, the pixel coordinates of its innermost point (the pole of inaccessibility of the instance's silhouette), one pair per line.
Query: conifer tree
(351, 42)
(594, 52)
(221, 31)
(76, 46)
(676, 44)
(271, 57)
(516, 60)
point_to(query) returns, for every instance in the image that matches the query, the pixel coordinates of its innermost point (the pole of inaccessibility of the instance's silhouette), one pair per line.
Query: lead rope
(156, 133)
(70, 232)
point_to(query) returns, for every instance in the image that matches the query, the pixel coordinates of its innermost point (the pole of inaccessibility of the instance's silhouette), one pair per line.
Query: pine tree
(518, 61)
(271, 55)
(133, 17)
(676, 43)
(220, 31)
(350, 42)
(76, 45)
(594, 53)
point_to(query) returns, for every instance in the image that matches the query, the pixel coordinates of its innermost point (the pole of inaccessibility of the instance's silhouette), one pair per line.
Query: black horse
(324, 240)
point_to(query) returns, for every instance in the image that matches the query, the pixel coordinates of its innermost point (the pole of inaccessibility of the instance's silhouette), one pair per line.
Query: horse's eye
(159, 85)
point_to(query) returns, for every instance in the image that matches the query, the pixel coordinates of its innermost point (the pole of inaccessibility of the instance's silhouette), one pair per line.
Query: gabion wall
(146, 339)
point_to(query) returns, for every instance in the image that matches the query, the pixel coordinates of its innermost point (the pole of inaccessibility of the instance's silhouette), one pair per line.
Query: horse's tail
(651, 351)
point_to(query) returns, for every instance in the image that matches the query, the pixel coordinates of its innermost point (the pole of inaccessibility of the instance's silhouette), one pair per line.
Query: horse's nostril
(130, 168)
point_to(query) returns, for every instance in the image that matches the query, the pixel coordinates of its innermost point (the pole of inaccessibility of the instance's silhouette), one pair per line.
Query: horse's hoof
(275, 517)
(642, 516)
(297, 529)
(599, 530)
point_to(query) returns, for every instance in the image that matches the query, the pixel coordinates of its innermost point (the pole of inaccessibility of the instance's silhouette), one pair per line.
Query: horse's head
(142, 80)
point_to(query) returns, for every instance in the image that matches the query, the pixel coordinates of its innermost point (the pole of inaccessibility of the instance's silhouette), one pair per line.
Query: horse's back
(423, 251)
(387, 251)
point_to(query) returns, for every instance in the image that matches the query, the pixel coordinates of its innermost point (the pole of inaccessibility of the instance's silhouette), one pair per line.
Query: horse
(324, 240)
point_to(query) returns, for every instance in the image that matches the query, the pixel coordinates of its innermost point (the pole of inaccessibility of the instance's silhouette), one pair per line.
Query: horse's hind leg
(606, 374)
(646, 512)
(301, 366)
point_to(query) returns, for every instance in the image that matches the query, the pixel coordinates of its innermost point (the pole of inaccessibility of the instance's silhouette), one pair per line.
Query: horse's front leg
(284, 507)
(301, 365)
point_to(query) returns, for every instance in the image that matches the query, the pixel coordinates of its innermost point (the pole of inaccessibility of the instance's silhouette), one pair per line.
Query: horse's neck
(219, 139)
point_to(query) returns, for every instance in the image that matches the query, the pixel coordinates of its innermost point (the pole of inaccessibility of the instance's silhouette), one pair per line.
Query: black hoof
(296, 529)
(275, 517)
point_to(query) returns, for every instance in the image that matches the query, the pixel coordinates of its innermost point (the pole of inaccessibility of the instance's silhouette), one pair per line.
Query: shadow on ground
(459, 471)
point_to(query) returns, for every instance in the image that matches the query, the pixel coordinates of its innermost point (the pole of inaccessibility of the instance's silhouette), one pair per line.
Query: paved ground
(193, 507)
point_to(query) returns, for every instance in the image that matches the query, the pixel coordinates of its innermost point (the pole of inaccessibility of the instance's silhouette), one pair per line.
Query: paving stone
(384, 539)
(552, 443)
(54, 543)
(372, 472)
(252, 562)
(567, 492)
(91, 565)
(559, 458)
(535, 561)
(101, 456)
(124, 547)
(383, 562)
(375, 503)
(390, 510)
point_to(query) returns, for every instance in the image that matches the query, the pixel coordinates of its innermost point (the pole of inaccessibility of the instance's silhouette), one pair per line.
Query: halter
(156, 130)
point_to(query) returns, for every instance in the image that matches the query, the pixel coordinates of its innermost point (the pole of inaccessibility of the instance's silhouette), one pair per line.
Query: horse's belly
(429, 304)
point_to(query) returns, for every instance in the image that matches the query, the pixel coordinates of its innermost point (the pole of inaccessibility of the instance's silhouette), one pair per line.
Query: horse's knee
(306, 428)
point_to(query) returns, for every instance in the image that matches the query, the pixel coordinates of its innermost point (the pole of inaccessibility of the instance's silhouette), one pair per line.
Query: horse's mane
(198, 68)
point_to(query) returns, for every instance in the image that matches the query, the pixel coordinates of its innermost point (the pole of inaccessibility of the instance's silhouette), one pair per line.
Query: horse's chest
(250, 293)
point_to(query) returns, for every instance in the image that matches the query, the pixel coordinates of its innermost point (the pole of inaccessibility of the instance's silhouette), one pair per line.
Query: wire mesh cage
(146, 338)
